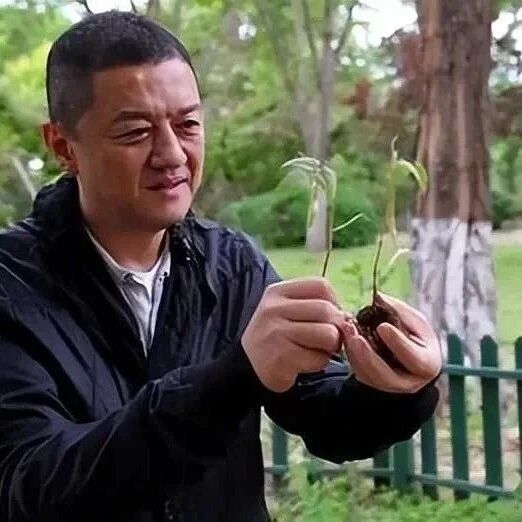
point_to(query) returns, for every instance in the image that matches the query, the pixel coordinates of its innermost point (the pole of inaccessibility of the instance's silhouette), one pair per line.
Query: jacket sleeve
(339, 418)
(53, 467)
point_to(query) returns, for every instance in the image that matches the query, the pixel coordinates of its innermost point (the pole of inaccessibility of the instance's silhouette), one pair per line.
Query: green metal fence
(396, 467)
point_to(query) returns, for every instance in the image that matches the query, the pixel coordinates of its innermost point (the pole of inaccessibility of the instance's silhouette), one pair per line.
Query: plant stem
(326, 259)
(375, 265)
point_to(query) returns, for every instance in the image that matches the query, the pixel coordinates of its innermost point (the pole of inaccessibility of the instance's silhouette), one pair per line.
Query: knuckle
(420, 366)
(268, 290)
(277, 307)
(325, 310)
(326, 286)
(333, 336)
(273, 334)
(271, 289)
(320, 310)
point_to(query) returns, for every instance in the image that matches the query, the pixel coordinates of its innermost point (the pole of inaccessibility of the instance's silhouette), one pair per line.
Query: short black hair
(96, 43)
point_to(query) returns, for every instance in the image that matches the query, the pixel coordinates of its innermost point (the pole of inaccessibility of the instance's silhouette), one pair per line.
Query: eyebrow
(133, 114)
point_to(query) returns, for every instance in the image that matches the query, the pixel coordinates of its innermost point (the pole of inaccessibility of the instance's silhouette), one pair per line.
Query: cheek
(195, 154)
(122, 167)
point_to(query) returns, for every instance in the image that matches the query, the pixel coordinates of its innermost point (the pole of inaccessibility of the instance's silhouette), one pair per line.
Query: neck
(132, 250)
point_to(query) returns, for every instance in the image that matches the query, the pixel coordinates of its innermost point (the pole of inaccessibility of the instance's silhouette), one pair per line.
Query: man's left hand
(419, 352)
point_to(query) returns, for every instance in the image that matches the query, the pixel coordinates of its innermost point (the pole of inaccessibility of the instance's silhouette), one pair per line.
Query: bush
(504, 207)
(349, 201)
(351, 498)
(278, 218)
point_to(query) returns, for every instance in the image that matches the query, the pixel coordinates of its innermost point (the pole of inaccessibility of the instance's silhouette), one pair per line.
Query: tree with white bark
(452, 268)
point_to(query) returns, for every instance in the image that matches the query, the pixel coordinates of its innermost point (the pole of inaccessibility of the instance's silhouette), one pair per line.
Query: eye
(190, 124)
(134, 135)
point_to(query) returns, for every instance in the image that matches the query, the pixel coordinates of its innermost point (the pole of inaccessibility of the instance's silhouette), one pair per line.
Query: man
(138, 343)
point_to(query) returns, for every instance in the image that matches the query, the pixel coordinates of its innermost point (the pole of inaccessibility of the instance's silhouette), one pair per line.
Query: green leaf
(392, 262)
(314, 171)
(355, 218)
(416, 170)
(423, 176)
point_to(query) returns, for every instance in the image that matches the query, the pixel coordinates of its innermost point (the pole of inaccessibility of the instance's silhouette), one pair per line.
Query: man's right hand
(295, 329)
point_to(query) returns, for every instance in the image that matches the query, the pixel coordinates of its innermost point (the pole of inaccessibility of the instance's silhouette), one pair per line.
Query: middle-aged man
(138, 343)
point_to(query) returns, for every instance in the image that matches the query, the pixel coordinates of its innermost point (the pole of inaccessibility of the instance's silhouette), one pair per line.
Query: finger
(317, 336)
(359, 370)
(419, 360)
(312, 310)
(374, 372)
(306, 288)
(413, 320)
(309, 361)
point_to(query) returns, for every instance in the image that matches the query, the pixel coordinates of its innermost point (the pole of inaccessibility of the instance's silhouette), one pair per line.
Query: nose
(167, 151)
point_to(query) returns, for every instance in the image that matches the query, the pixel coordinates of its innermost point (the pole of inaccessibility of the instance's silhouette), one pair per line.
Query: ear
(60, 145)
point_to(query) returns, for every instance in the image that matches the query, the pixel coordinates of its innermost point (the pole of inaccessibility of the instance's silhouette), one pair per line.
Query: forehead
(164, 87)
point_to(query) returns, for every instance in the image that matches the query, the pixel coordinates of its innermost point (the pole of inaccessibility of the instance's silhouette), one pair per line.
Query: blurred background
(260, 65)
(339, 80)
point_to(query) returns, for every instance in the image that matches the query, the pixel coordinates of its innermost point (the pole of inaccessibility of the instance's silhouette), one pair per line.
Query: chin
(170, 218)
(165, 210)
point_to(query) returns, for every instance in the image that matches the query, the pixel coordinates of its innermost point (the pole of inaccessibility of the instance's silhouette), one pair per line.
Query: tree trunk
(451, 262)
(312, 94)
(317, 234)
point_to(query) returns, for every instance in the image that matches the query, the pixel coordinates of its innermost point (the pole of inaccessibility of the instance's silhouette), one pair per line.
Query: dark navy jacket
(92, 430)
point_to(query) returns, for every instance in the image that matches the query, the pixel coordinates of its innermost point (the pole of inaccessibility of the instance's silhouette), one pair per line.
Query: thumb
(348, 330)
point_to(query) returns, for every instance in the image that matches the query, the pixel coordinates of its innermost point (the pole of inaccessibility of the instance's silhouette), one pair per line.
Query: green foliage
(22, 97)
(504, 207)
(22, 29)
(278, 218)
(349, 202)
(242, 154)
(351, 498)
(506, 175)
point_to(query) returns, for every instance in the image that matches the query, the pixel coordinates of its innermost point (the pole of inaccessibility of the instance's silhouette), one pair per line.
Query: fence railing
(396, 467)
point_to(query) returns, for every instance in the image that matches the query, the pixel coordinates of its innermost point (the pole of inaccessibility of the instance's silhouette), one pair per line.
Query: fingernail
(349, 329)
(383, 327)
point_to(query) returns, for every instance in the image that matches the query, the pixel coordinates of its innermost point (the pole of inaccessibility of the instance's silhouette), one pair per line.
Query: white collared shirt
(141, 290)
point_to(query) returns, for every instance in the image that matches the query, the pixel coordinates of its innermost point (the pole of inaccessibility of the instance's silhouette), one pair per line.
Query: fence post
(382, 461)
(459, 427)
(403, 466)
(279, 454)
(429, 456)
(491, 414)
(518, 366)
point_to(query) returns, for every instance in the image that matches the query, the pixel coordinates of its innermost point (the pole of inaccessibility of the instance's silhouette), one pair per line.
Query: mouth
(169, 183)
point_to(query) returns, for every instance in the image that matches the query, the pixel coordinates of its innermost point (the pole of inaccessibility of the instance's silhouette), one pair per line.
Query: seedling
(318, 176)
(378, 312)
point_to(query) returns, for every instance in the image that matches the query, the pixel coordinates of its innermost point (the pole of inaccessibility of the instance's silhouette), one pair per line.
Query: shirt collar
(122, 274)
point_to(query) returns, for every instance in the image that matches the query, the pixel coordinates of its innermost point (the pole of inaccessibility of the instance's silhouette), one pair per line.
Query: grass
(507, 259)
(351, 499)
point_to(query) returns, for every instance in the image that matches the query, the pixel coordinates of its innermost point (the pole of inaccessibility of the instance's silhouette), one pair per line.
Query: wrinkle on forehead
(165, 87)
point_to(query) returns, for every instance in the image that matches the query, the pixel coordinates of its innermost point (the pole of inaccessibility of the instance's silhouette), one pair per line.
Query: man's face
(138, 150)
